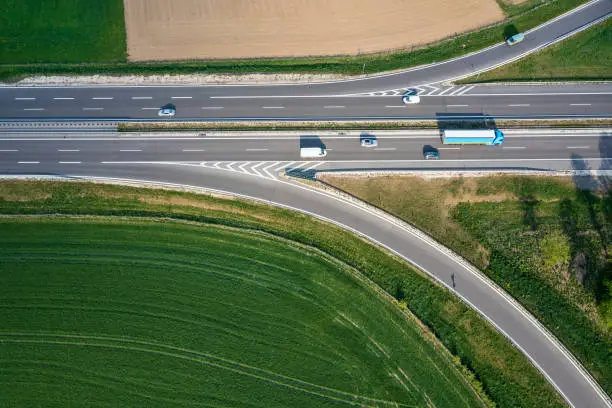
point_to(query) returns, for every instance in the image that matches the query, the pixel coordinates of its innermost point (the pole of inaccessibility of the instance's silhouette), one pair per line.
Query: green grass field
(527, 234)
(126, 312)
(67, 31)
(586, 56)
(488, 360)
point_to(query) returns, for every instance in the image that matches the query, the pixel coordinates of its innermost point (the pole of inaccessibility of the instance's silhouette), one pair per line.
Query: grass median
(530, 15)
(505, 374)
(541, 238)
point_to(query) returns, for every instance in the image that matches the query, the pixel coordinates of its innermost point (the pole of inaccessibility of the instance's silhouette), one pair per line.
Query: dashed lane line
(34, 109)
(93, 109)
(68, 150)
(69, 162)
(577, 147)
(181, 97)
(519, 104)
(457, 106)
(141, 97)
(256, 150)
(334, 107)
(273, 107)
(212, 107)
(9, 150)
(580, 104)
(63, 99)
(385, 148)
(193, 150)
(131, 150)
(28, 162)
(25, 99)
(102, 98)
(514, 147)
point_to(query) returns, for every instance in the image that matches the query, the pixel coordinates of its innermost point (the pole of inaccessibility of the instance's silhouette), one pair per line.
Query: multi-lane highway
(252, 168)
(370, 97)
(249, 165)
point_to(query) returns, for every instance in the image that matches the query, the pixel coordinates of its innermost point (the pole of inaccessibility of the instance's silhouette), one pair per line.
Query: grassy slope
(523, 232)
(192, 313)
(65, 31)
(586, 56)
(334, 65)
(506, 374)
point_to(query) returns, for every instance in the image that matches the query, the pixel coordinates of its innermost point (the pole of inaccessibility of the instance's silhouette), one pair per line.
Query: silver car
(166, 112)
(369, 142)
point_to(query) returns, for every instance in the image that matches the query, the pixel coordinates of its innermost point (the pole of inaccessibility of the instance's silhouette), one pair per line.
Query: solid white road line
(68, 150)
(256, 150)
(34, 109)
(577, 147)
(131, 150)
(25, 99)
(69, 162)
(212, 107)
(63, 99)
(28, 162)
(142, 97)
(102, 98)
(580, 104)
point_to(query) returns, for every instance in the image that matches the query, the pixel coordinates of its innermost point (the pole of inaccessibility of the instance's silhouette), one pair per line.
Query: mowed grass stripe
(202, 303)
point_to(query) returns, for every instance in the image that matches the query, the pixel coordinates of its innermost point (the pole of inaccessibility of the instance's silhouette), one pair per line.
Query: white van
(313, 152)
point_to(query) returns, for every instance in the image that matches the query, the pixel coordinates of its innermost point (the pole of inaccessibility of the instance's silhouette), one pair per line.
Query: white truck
(476, 136)
(312, 152)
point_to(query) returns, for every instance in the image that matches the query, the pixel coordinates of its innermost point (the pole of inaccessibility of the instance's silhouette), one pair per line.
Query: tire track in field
(200, 357)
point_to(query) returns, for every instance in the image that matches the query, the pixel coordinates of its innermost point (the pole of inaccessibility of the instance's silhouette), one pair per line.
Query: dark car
(431, 155)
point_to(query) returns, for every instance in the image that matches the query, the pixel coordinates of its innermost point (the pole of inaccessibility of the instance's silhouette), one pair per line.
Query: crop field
(62, 31)
(212, 29)
(144, 312)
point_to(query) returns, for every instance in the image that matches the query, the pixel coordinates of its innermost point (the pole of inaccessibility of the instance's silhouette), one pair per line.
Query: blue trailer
(478, 137)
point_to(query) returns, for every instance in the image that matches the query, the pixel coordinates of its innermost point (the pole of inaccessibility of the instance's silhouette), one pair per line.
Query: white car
(369, 142)
(166, 112)
(411, 99)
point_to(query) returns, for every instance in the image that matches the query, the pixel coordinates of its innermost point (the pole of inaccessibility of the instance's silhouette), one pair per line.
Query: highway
(43, 157)
(250, 166)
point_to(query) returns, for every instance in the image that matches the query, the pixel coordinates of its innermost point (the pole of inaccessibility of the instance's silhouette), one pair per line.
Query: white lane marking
(131, 150)
(181, 97)
(457, 90)
(385, 148)
(193, 150)
(28, 162)
(9, 150)
(519, 104)
(317, 164)
(102, 98)
(150, 108)
(273, 107)
(580, 104)
(34, 109)
(91, 109)
(456, 106)
(395, 106)
(254, 168)
(70, 162)
(25, 99)
(142, 97)
(265, 170)
(256, 150)
(514, 147)
(212, 107)
(446, 90)
(242, 167)
(466, 90)
(229, 166)
(334, 107)
(284, 166)
(63, 99)
(449, 148)
(68, 150)
(577, 147)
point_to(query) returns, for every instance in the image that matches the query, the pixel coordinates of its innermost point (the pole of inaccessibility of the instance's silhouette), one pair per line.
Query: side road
(545, 352)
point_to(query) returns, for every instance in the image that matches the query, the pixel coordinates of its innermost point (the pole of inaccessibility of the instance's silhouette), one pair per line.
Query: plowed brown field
(197, 29)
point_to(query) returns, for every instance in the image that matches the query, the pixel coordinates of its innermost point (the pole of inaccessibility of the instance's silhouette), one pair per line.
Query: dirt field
(197, 29)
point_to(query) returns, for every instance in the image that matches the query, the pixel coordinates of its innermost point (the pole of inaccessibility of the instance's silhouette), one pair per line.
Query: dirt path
(198, 29)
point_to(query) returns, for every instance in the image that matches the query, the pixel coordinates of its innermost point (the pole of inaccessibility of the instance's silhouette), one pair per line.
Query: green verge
(536, 14)
(541, 238)
(506, 375)
(584, 57)
(105, 310)
(68, 31)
